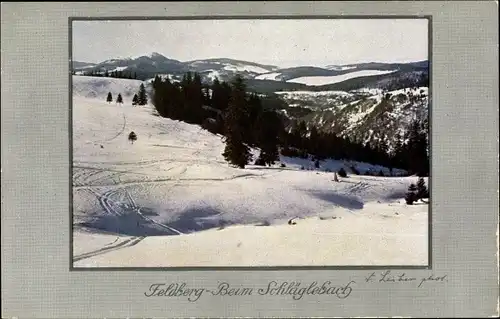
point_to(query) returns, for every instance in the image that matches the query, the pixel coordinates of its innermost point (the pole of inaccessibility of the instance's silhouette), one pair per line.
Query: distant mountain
(82, 65)
(265, 78)
(147, 66)
(144, 66)
(368, 102)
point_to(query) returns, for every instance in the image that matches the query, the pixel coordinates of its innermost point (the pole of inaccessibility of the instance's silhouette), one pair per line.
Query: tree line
(239, 116)
(409, 151)
(112, 74)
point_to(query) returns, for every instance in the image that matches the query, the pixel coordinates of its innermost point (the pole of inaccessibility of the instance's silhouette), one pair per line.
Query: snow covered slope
(323, 80)
(170, 199)
(98, 87)
(368, 115)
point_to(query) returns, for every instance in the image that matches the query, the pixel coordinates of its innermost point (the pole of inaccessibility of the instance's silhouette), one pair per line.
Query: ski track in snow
(126, 243)
(110, 206)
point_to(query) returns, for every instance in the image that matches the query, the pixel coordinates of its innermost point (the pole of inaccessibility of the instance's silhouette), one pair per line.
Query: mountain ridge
(357, 106)
(148, 65)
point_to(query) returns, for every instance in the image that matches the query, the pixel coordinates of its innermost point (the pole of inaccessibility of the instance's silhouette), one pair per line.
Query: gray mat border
(36, 282)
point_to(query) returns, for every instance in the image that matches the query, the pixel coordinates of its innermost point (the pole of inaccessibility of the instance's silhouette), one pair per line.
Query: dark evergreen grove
(417, 192)
(112, 74)
(245, 119)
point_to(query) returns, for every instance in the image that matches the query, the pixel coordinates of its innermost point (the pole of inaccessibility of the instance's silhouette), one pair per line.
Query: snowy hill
(170, 199)
(364, 115)
(95, 87)
(148, 65)
(323, 80)
(353, 76)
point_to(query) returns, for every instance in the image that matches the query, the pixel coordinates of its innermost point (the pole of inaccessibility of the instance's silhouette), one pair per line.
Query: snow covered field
(170, 199)
(323, 80)
(268, 76)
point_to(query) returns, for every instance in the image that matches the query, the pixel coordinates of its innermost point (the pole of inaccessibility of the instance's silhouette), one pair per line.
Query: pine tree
(313, 142)
(302, 132)
(411, 195)
(196, 98)
(119, 99)
(267, 131)
(142, 98)
(132, 137)
(252, 125)
(235, 151)
(422, 192)
(109, 99)
(417, 149)
(135, 100)
(106, 74)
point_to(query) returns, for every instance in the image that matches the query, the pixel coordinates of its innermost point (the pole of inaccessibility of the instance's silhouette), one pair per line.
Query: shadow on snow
(134, 222)
(339, 200)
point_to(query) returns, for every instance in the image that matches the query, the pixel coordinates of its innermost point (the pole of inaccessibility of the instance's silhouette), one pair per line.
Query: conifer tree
(255, 111)
(313, 143)
(422, 192)
(268, 128)
(119, 99)
(132, 137)
(142, 98)
(417, 150)
(196, 98)
(235, 151)
(109, 99)
(135, 100)
(411, 195)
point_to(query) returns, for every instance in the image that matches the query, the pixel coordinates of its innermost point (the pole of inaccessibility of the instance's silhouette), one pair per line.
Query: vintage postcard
(250, 143)
(308, 159)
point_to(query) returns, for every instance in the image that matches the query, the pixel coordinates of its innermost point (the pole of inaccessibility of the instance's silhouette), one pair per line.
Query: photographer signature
(390, 277)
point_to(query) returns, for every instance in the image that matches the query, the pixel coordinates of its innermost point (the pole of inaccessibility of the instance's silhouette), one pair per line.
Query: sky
(283, 43)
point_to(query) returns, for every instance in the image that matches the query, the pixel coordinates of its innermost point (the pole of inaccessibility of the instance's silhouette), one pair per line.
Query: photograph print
(250, 143)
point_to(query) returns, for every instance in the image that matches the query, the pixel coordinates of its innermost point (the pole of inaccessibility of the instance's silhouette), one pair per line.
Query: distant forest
(112, 74)
(245, 119)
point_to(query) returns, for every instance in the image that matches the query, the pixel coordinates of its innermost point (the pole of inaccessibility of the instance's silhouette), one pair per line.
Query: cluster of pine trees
(112, 74)
(139, 98)
(119, 98)
(222, 108)
(417, 192)
(411, 155)
(239, 116)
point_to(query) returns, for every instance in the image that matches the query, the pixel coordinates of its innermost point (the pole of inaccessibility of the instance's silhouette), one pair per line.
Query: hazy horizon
(282, 43)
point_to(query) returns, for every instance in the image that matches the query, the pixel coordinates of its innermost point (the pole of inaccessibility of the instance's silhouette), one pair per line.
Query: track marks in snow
(126, 243)
(125, 204)
(120, 132)
(171, 179)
